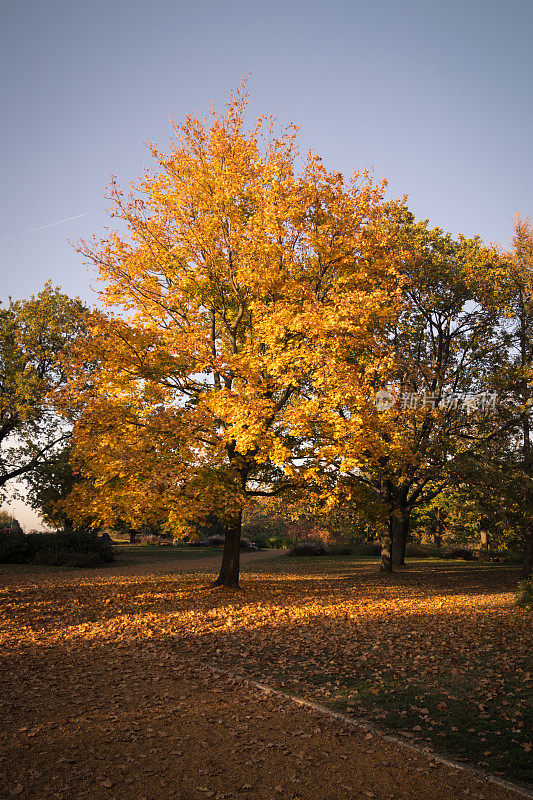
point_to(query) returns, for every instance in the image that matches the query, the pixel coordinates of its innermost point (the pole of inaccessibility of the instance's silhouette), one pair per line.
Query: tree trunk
(484, 544)
(437, 533)
(527, 566)
(229, 570)
(400, 530)
(386, 549)
(386, 552)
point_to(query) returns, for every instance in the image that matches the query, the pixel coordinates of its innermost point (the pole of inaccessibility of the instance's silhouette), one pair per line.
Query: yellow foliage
(253, 293)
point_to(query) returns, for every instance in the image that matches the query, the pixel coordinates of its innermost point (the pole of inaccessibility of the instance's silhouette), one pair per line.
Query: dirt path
(138, 724)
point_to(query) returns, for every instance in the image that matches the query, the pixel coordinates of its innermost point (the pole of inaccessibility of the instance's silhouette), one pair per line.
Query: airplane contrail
(43, 227)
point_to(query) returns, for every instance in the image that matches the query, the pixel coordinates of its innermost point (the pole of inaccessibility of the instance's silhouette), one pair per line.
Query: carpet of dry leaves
(105, 691)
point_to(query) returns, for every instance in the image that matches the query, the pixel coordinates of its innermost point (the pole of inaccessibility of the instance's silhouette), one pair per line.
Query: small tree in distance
(9, 523)
(49, 484)
(35, 336)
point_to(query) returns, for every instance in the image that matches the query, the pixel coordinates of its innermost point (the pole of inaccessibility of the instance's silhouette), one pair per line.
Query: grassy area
(438, 652)
(149, 553)
(127, 555)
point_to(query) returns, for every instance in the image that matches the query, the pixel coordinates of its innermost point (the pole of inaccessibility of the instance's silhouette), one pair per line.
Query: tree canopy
(258, 308)
(443, 343)
(35, 336)
(245, 273)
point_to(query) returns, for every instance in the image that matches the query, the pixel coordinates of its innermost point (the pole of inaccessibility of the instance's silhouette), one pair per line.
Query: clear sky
(435, 96)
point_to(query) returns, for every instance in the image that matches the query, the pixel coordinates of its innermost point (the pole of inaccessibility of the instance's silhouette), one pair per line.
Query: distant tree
(442, 343)
(484, 513)
(49, 484)
(517, 374)
(35, 335)
(337, 517)
(8, 522)
(492, 475)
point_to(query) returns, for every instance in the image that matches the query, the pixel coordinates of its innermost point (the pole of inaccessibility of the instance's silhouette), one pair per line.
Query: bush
(279, 542)
(422, 551)
(261, 542)
(460, 552)
(246, 544)
(310, 548)
(13, 547)
(83, 549)
(341, 549)
(66, 558)
(152, 538)
(525, 594)
(216, 541)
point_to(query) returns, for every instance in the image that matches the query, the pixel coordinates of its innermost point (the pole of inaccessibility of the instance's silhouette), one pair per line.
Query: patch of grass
(147, 554)
(435, 652)
(487, 734)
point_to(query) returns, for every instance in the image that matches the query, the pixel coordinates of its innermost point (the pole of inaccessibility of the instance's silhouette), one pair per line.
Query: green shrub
(246, 544)
(525, 594)
(460, 552)
(261, 542)
(154, 539)
(216, 541)
(279, 542)
(66, 558)
(341, 549)
(83, 549)
(415, 550)
(310, 548)
(13, 547)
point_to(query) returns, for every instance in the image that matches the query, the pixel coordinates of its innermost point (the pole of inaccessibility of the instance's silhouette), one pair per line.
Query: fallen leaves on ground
(438, 653)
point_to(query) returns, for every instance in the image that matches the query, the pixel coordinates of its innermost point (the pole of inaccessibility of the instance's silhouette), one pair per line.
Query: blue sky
(434, 96)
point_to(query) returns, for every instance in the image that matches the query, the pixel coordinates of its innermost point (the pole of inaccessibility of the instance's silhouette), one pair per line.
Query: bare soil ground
(105, 693)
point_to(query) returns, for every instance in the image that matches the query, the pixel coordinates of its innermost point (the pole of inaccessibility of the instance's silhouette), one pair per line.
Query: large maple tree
(242, 275)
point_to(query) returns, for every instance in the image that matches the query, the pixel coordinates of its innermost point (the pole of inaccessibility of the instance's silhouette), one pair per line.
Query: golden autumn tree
(244, 272)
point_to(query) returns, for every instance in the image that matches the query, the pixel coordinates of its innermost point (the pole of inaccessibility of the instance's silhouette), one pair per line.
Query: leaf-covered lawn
(438, 652)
